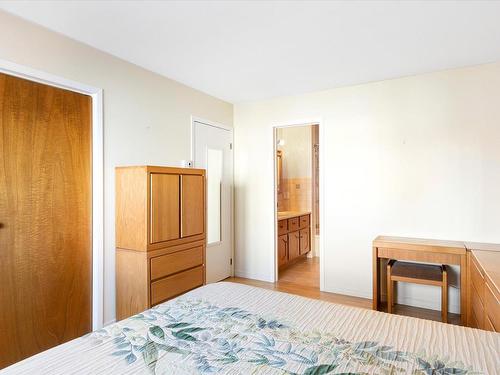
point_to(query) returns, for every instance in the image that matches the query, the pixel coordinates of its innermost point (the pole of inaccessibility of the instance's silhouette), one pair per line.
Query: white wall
(146, 116)
(417, 156)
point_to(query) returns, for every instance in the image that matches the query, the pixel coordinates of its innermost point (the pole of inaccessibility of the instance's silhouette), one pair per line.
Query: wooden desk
(420, 250)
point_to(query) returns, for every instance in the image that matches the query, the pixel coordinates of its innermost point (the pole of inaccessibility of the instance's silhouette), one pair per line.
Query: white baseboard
(251, 275)
(109, 322)
(425, 303)
(349, 292)
(405, 300)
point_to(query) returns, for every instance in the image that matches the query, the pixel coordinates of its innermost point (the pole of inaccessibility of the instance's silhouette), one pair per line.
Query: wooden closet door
(45, 217)
(193, 205)
(165, 207)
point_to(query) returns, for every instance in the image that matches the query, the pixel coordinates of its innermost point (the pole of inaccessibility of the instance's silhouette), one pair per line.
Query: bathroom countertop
(282, 215)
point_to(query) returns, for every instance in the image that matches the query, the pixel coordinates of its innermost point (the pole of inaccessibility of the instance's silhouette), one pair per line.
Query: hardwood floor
(305, 273)
(302, 278)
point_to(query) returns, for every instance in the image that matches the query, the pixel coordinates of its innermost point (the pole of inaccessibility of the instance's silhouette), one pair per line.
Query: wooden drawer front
(477, 279)
(473, 320)
(304, 221)
(293, 224)
(488, 325)
(492, 307)
(282, 227)
(172, 286)
(304, 241)
(165, 265)
(477, 307)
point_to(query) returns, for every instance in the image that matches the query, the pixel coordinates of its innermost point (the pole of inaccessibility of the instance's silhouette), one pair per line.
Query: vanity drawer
(293, 224)
(282, 227)
(165, 265)
(477, 278)
(304, 221)
(172, 286)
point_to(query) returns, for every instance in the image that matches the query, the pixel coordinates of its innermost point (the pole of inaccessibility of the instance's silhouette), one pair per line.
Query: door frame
(20, 71)
(289, 124)
(231, 198)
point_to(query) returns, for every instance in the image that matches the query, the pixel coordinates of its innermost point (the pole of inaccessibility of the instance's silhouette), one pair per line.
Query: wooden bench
(418, 273)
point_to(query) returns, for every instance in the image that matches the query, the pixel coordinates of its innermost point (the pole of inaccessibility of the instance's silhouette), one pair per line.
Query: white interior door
(212, 150)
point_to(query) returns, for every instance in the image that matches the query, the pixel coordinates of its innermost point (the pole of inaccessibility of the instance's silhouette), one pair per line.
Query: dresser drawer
(477, 307)
(293, 224)
(488, 325)
(165, 265)
(282, 227)
(304, 221)
(473, 320)
(172, 286)
(477, 278)
(492, 307)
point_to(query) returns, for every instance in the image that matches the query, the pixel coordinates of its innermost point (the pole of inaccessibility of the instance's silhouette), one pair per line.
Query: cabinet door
(282, 249)
(192, 205)
(165, 208)
(304, 241)
(293, 245)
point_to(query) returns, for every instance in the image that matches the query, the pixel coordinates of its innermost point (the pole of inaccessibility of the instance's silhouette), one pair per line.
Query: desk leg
(463, 290)
(376, 279)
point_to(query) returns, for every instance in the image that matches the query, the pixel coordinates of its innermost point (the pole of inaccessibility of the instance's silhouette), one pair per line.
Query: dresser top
(161, 169)
(482, 246)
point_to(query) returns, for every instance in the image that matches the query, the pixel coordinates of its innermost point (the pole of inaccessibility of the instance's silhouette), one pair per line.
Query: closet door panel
(193, 205)
(165, 207)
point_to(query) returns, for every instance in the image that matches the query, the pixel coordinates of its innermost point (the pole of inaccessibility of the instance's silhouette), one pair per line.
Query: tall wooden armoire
(160, 235)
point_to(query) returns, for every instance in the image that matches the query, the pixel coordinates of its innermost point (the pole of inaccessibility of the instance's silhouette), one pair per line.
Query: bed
(238, 329)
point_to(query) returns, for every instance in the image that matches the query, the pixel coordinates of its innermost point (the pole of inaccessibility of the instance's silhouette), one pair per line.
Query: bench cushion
(417, 271)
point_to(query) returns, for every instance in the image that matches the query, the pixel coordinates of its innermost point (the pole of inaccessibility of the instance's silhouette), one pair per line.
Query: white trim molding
(28, 73)
(210, 123)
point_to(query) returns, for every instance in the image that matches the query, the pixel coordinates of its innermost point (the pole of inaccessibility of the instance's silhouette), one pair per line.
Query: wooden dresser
(294, 236)
(484, 286)
(160, 235)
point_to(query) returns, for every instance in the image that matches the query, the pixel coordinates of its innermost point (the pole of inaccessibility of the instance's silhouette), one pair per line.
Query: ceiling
(245, 51)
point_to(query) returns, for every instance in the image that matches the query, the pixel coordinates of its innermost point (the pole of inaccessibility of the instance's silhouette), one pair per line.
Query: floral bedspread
(198, 334)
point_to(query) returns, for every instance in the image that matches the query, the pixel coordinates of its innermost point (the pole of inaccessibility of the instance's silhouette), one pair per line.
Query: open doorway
(297, 205)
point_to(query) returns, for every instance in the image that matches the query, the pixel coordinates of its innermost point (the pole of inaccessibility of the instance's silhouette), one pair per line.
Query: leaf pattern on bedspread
(197, 336)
